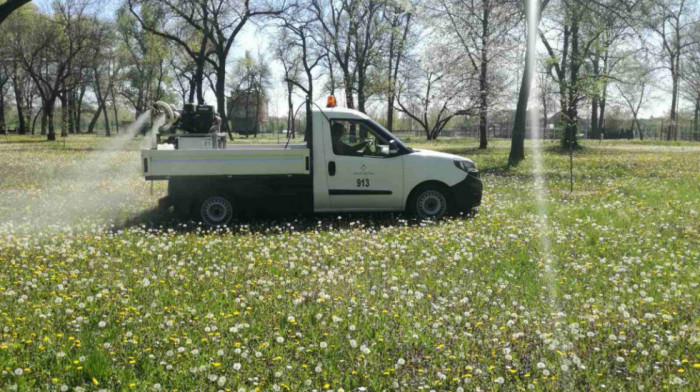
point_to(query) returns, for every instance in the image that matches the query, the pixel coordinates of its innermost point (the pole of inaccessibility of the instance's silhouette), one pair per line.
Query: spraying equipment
(348, 163)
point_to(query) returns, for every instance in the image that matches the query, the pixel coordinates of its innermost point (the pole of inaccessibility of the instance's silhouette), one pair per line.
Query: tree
(672, 21)
(144, 58)
(614, 21)
(437, 88)
(5, 78)
(249, 84)
(566, 61)
(482, 29)
(310, 51)
(204, 29)
(351, 33)
(398, 18)
(691, 84)
(634, 89)
(289, 56)
(9, 6)
(532, 17)
(48, 49)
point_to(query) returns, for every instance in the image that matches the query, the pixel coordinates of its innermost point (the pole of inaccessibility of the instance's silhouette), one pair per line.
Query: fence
(495, 130)
(504, 130)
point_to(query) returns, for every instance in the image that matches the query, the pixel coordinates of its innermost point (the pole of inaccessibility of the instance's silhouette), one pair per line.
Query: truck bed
(235, 160)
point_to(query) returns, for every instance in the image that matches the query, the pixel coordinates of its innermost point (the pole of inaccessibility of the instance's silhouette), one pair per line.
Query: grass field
(591, 290)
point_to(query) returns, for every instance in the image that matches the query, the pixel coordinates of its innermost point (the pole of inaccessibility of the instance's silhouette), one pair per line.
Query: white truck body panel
(228, 162)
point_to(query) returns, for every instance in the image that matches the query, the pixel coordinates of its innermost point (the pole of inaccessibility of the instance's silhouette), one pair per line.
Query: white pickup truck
(349, 163)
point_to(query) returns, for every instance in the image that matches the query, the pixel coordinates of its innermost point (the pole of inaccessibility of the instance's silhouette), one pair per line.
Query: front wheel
(215, 211)
(428, 204)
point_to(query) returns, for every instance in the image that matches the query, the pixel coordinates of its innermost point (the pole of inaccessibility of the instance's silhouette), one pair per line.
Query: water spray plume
(84, 190)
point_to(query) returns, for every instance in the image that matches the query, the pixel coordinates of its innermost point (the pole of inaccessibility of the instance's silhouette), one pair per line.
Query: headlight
(465, 165)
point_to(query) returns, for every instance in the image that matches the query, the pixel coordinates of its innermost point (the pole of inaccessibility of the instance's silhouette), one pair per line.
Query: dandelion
(19, 371)
(323, 345)
(499, 380)
(102, 324)
(236, 366)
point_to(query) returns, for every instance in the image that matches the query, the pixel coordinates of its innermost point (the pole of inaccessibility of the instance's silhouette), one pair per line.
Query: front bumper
(467, 193)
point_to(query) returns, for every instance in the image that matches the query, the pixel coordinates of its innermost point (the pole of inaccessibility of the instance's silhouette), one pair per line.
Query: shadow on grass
(25, 141)
(560, 150)
(162, 219)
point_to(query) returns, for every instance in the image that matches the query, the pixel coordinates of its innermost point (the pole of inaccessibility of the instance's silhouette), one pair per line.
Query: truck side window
(357, 138)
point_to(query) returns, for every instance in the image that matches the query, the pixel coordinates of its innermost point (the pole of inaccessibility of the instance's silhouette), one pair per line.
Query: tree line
(427, 61)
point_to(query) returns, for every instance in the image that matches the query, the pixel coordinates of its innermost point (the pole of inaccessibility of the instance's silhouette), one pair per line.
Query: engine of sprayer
(197, 118)
(198, 125)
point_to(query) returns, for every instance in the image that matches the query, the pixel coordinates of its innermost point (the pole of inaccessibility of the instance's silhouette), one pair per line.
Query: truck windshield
(390, 136)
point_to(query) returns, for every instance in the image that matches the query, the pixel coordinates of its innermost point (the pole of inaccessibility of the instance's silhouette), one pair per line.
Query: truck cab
(349, 163)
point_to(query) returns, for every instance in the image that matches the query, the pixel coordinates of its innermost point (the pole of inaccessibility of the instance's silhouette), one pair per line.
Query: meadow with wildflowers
(596, 289)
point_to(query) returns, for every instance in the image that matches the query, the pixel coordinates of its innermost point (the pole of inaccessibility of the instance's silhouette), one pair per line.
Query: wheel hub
(431, 204)
(216, 211)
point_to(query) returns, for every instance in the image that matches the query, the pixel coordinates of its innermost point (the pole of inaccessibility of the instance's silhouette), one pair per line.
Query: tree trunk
(95, 117)
(361, 90)
(221, 98)
(71, 112)
(570, 137)
(79, 110)
(483, 80)
(290, 111)
(673, 129)
(604, 96)
(639, 127)
(594, 113)
(44, 121)
(517, 141)
(51, 135)
(114, 108)
(696, 127)
(199, 82)
(65, 113)
(7, 7)
(3, 126)
(20, 108)
(347, 83)
(108, 133)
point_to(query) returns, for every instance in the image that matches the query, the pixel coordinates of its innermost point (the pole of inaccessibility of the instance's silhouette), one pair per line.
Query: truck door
(364, 174)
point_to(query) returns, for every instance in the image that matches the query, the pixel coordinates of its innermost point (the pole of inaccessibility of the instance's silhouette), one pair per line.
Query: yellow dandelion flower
(94, 381)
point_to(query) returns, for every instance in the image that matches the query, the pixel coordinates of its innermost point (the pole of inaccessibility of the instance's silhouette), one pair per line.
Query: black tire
(215, 210)
(429, 203)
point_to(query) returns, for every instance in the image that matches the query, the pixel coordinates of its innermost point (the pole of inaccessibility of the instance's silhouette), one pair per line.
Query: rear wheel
(428, 203)
(215, 211)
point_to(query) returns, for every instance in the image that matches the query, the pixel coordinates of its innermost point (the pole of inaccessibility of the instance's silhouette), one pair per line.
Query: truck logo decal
(363, 171)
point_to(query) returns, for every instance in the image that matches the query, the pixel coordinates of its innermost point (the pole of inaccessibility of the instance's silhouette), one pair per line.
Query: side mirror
(393, 147)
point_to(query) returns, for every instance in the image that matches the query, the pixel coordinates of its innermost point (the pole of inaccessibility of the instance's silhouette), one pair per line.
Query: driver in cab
(340, 147)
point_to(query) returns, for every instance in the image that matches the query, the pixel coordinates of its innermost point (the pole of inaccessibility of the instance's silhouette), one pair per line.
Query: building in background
(247, 112)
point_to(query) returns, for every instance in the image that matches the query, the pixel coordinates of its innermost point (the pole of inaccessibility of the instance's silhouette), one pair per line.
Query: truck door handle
(331, 168)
